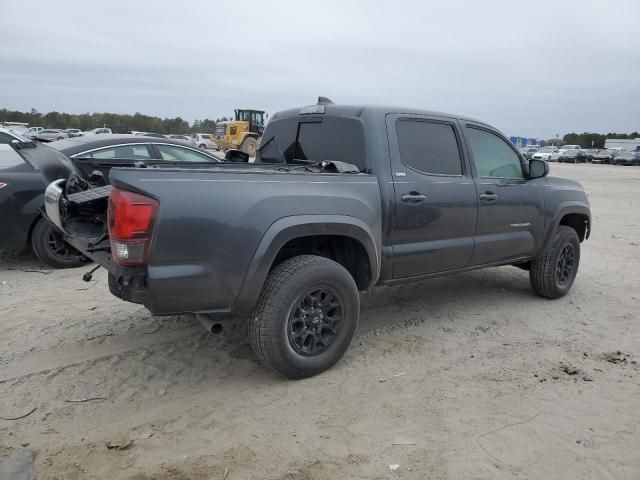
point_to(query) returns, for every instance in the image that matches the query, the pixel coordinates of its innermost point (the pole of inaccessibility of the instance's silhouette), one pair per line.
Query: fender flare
(288, 228)
(565, 208)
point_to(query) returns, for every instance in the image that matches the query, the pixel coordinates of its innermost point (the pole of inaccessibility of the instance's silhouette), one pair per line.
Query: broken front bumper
(52, 196)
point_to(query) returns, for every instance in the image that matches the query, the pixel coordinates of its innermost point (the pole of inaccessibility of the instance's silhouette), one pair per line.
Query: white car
(566, 148)
(544, 153)
(33, 131)
(203, 140)
(51, 135)
(98, 131)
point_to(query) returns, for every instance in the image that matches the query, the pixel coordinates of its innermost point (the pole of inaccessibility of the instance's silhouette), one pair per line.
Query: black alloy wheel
(315, 321)
(565, 265)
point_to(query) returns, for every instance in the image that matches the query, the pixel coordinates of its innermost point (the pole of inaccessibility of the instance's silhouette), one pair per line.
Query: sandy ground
(499, 383)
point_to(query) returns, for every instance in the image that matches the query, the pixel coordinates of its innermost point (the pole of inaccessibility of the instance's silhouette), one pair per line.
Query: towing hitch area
(89, 275)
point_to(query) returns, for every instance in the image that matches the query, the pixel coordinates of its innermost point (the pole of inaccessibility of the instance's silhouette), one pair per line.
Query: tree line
(147, 123)
(88, 121)
(591, 140)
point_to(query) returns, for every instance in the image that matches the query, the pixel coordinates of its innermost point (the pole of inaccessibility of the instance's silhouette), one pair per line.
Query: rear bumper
(163, 288)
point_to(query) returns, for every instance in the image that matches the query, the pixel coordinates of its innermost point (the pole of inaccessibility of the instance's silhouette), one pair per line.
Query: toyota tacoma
(338, 200)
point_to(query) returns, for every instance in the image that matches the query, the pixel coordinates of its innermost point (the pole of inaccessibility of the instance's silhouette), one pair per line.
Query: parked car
(528, 152)
(186, 138)
(604, 156)
(589, 153)
(89, 154)
(544, 153)
(340, 199)
(51, 135)
(555, 156)
(626, 158)
(33, 131)
(25, 170)
(99, 131)
(203, 140)
(572, 156)
(73, 132)
(21, 198)
(565, 148)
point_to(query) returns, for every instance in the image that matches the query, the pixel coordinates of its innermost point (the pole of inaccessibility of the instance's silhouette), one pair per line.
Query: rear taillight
(131, 218)
(2, 185)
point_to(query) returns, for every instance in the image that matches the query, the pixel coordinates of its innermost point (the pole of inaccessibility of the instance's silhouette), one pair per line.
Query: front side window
(492, 156)
(429, 147)
(174, 153)
(123, 152)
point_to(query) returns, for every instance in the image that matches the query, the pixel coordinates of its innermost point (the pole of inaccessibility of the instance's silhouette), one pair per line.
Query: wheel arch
(574, 215)
(312, 234)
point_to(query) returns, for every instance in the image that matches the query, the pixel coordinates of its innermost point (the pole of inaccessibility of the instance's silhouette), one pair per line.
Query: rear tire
(49, 247)
(306, 316)
(249, 146)
(202, 146)
(552, 274)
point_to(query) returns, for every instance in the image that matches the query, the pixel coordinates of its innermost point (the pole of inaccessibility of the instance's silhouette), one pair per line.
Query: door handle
(488, 196)
(413, 197)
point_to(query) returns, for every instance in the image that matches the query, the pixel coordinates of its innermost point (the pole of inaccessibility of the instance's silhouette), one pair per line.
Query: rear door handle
(413, 197)
(488, 196)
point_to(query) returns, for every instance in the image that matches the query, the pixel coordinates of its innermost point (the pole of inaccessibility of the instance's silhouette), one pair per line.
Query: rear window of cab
(301, 140)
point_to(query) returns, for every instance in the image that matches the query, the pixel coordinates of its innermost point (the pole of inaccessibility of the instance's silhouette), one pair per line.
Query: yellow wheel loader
(243, 132)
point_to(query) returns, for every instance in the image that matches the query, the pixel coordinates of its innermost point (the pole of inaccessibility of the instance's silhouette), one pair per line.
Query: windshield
(251, 116)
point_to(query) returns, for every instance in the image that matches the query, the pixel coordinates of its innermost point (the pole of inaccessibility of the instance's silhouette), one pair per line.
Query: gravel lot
(497, 383)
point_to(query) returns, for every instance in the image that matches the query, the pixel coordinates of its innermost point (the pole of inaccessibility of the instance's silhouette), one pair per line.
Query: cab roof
(334, 110)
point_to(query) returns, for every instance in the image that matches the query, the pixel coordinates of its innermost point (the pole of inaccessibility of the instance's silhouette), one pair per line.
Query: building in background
(525, 141)
(625, 143)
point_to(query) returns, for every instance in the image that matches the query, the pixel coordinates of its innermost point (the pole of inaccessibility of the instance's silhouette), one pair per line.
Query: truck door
(435, 197)
(510, 210)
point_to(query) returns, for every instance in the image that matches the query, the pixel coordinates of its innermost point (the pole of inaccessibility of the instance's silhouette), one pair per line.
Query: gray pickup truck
(340, 199)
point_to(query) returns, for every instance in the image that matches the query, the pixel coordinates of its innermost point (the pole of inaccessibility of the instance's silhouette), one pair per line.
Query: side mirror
(538, 168)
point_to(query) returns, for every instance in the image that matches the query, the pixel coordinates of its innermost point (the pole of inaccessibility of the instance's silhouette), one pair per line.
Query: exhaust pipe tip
(212, 326)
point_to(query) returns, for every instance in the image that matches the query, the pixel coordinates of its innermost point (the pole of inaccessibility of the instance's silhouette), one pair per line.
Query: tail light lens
(131, 218)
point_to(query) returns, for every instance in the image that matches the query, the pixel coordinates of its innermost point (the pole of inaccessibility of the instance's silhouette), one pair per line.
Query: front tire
(249, 146)
(202, 146)
(306, 316)
(552, 274)
(49, 247)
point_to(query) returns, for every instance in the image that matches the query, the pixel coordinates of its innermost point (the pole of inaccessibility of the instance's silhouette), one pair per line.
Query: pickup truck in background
(340, 199)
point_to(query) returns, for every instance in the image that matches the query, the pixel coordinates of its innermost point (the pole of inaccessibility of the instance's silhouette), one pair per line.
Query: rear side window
(429, 147)
(124, 152)
(338, 139)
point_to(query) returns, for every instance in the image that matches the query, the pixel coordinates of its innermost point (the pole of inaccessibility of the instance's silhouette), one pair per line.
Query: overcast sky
(530, 68)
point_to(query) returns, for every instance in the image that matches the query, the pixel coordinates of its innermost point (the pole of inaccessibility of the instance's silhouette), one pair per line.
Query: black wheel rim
(565, 265)
(58, 247)
(315, 321)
